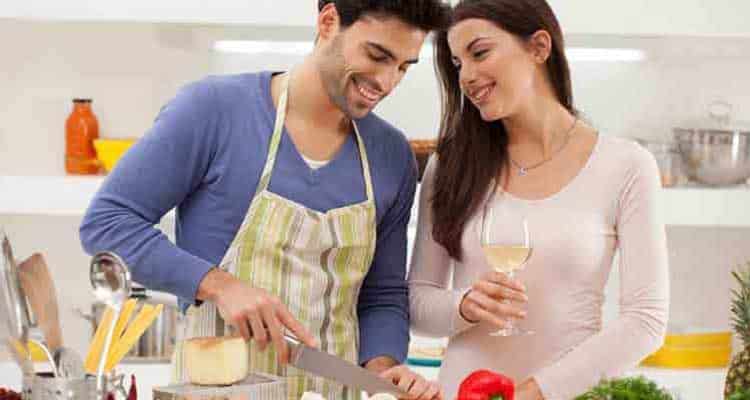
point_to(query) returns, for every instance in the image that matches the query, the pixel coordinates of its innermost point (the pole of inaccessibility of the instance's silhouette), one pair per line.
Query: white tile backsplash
(132, 69)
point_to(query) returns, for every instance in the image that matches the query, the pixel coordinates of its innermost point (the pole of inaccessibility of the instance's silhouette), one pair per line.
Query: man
(292, 199)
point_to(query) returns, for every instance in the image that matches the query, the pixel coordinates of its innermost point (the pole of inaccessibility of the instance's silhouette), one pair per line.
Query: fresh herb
(632, 388)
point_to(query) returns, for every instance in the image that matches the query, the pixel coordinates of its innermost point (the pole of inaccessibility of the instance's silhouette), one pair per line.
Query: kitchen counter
(707, 384)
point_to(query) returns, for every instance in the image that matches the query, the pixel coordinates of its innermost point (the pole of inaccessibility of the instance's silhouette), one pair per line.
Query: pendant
(521, 171)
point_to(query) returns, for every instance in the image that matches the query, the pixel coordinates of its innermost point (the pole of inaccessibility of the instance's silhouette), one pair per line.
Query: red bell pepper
(486, 385)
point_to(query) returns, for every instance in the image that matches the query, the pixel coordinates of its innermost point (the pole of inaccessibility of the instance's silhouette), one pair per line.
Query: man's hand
(417, 387)
(529, 390)
(255, 313)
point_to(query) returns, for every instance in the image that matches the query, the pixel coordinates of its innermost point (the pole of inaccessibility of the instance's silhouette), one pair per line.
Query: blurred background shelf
(61, 196)
(70, 196)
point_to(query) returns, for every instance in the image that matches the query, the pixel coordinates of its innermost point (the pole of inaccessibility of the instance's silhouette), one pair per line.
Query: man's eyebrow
(389, 53)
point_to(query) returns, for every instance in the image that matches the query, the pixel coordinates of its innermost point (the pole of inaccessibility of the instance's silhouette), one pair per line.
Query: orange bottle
(81, 129)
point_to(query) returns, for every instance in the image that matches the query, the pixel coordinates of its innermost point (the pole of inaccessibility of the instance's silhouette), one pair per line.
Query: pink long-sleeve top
(610, 206)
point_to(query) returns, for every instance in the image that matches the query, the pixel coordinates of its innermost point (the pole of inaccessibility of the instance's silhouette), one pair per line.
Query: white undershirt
(315, 164)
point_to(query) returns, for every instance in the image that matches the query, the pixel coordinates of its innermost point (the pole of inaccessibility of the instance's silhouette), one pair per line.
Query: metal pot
(716, 153)
(158, 342)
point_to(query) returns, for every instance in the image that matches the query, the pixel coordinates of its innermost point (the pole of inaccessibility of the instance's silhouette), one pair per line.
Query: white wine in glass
(506, 244)
(506, 259)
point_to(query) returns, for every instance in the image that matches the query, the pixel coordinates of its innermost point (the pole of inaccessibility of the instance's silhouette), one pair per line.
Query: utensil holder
(44, 386)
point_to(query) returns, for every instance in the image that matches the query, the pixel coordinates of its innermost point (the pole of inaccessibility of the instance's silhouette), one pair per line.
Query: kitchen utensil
(717, 153)
(39, 289)
(69, 363)
(142, 321)
(97, 343)
(20, 319)
(255, 386)
(331, 367)
(158, 342)
(44, 386)
(110, 280)
(14, 307)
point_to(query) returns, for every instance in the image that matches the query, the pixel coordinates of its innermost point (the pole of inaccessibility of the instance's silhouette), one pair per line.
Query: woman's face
(497, 70)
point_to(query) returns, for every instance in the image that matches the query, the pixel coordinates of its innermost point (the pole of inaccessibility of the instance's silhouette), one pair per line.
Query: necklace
(522, 171)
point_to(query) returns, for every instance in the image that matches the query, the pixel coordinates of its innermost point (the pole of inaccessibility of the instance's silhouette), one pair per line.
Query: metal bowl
(715, 157)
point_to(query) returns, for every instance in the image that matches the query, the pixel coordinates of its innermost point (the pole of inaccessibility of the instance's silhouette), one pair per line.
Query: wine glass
(506, 243)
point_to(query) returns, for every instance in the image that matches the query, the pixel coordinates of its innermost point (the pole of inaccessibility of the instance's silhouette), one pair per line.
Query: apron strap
(365, 164)
(278, 128)
(273, 149)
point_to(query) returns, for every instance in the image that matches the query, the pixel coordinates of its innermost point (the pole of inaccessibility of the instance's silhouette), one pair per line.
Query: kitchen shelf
(58, 196)
(70, 196)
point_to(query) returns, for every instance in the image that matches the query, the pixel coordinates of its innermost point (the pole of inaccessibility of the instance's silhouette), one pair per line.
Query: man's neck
(308, 100)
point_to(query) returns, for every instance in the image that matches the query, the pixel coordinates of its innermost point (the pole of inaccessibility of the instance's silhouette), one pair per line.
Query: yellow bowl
(699, 339)
(690, 357)
(109, 151)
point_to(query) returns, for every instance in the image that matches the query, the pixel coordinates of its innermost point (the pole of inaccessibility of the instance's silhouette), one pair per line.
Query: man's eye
(378, 58)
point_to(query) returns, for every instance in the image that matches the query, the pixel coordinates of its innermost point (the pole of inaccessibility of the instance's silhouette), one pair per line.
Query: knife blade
(334, 368)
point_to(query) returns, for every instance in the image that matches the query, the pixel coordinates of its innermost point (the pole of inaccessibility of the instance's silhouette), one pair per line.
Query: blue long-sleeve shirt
(204, 156)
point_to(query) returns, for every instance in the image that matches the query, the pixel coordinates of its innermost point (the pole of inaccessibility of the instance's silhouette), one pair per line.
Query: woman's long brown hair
(471, 151)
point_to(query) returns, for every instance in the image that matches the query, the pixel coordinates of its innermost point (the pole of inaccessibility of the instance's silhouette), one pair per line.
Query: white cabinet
(634, 17)
(259, 12)
(645, 17)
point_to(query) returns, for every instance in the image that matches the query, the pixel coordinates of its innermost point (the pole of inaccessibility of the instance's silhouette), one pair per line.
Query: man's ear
(329, 22)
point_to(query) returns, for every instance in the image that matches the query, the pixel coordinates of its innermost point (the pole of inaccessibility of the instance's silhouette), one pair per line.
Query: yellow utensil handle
(142, 321)
(95, 349)
(123, 319)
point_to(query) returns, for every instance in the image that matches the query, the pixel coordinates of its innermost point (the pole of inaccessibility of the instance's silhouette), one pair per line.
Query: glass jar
(81, 129)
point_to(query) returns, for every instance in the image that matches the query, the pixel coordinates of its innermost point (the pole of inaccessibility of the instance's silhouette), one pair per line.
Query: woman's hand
(529, 390)
(494, 299)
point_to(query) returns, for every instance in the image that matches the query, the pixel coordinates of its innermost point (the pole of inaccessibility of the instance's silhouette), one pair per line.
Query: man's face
(363, 63)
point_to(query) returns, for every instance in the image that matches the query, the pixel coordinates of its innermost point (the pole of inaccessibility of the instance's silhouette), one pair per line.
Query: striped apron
(314, 262)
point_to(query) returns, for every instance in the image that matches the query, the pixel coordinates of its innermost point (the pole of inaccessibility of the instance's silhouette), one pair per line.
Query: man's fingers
(241, 325)
(299, 330)
(277, 335)
(257, 331)
(405, 381)
(433, 392)
(419, 388)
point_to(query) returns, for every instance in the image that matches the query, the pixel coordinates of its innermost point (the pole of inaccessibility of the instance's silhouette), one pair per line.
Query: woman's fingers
(500, 292)
(490, 305)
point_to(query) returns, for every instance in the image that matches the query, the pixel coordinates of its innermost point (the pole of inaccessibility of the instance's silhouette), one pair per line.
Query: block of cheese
(216, 360)
(382, 396)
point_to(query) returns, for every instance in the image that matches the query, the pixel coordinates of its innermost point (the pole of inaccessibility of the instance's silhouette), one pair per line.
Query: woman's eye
(480, 53)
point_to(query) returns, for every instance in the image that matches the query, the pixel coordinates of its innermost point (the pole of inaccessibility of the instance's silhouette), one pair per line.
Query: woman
(511, 139)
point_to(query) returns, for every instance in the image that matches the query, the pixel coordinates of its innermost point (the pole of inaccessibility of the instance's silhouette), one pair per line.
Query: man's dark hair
(427, 15)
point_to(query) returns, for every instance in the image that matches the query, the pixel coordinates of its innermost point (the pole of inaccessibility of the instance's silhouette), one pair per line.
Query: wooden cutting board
(39, 289)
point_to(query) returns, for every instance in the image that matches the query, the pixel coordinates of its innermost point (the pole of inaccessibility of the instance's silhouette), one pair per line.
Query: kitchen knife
(334, 368)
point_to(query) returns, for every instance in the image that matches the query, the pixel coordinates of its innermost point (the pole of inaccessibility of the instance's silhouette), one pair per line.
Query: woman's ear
(328, 22)
(540, 46)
